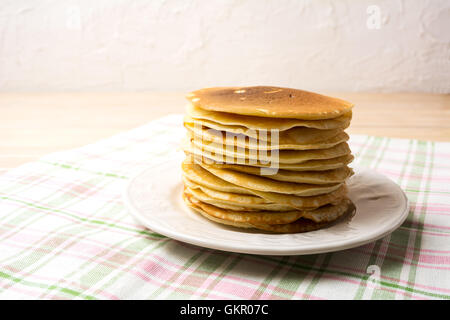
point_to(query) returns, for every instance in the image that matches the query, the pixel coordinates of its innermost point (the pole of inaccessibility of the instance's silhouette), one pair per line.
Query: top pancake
(272, 102)
(262, 123)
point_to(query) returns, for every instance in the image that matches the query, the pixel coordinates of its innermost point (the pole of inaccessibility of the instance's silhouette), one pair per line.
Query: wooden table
(34, 124)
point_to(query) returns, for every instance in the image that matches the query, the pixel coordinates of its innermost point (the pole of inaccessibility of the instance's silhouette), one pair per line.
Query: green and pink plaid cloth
(65, 233)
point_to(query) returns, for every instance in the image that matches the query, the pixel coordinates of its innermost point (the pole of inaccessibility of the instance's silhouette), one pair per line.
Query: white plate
(154, 199)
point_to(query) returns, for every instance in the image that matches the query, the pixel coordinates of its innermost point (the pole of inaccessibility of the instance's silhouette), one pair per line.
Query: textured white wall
(184, 44)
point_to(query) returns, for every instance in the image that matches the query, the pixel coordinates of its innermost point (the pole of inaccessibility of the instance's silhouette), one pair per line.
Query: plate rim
(348, 244)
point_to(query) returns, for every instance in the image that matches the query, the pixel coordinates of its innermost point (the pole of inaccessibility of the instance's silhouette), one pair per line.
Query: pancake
(267, 101)
(306, 225)
(262, 123)
(329, 212)
(260, 217)
(194, 176)
(315, 177)
(310, 165)
(224, 204)
(195, 205)
(233, 198)
(281, 222)
(198, 175)
(297, 135)
(260, 183)
(202, 133)
(283, 156)
(267, 158)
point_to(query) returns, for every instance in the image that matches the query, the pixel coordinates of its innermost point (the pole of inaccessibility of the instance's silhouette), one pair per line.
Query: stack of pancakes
(268, 158)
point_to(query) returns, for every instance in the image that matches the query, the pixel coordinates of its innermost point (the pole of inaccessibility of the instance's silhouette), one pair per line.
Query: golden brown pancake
(282, 222)
(305, 225)
(195, 177)
(267, 101)
(297, 137)
(261, 183)
(310, 165)
(316, 177)
(208, 135)
(264, 123)
(267, 158)
(259, 217)
(224, 204)
(283, 156)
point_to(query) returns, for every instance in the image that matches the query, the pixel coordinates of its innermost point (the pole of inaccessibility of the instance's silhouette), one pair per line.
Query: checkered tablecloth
(65, 233)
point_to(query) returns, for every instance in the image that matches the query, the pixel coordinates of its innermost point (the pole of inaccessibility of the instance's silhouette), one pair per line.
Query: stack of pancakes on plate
(268, 158)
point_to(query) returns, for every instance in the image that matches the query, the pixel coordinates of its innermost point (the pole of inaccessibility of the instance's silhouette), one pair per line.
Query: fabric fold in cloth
(65, 233)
